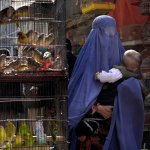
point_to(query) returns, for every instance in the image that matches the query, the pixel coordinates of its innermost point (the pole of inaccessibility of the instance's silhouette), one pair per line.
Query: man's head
(132, 60)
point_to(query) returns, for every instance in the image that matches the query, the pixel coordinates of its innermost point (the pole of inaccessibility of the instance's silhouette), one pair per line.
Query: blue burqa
(127, 124)
(101, 51)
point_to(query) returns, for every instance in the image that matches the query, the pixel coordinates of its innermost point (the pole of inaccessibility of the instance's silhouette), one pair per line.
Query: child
(130, 67)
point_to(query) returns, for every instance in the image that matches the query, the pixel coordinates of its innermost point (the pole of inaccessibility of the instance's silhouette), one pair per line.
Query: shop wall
(71, 8)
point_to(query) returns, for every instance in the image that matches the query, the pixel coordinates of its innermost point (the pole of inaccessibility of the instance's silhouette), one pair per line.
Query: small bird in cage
(11, 66)
(41, 40)
(18, 140)
(53, 126)
(49, 39)
(2, 136)
(2, 61)
(10, 130)
(23, 64)
(7, 14)
(37, 55)
(32, 36)
(32, 64)
(22, 11)
(24, 129)
(22, 38)
(48, 56)
(29, 140)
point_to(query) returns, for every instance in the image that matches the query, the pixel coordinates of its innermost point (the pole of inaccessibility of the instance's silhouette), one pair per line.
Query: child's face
(130, 62)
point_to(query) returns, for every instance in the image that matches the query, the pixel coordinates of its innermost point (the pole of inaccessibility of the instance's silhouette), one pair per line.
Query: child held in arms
(93, 121)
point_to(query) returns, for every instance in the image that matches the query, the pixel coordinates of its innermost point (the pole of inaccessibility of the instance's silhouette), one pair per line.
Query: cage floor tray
(32, 148)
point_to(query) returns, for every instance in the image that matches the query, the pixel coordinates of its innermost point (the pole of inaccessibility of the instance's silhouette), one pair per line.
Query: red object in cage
(45, 65)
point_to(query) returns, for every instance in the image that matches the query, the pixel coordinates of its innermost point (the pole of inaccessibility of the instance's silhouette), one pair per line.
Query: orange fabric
(126, 14)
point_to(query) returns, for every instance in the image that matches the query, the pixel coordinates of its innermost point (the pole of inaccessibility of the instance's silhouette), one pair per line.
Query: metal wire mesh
(146, 135)
(33, 27)
(33, 78)
(145, 7)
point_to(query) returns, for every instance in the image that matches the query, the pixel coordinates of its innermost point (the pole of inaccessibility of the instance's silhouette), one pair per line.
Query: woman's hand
(104, 110)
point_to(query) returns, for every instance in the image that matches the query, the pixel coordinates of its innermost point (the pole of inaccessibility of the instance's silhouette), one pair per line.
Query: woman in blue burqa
(101, 51)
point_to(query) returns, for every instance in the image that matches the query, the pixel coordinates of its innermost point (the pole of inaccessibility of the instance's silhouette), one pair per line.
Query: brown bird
(37, 55)
(32, 64)
(23, 64)
(11, 67)
(27, 51)
(22, 38)
(2, 61)
(49, 39)
(22, 11)
(41, 40)
(32, 36)
(7, 14)
(10, 12)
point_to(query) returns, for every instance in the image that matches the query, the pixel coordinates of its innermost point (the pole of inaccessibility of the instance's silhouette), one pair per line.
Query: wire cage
(34, 29)
(145, 35)
(145, 7)
(33, 76)
(146, 135)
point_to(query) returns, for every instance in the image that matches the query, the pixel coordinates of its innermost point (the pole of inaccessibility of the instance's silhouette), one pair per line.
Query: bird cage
(33, 75)
(146, 33)
(34, 29)
(145, 7)
(146, 135)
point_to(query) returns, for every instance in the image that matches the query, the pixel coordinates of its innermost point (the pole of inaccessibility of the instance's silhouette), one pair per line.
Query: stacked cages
(144, 7)
(33, 76)
(146, 135)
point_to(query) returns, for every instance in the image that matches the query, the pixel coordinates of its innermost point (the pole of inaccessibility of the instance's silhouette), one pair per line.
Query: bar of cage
(49, 108)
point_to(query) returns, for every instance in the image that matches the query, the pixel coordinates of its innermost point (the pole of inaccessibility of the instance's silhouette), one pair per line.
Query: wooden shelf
(132, 43)
(32, 148)
(33, 76)
(27, 99)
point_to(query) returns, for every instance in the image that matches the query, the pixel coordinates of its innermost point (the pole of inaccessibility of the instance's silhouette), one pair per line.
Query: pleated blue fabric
(101, 51)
